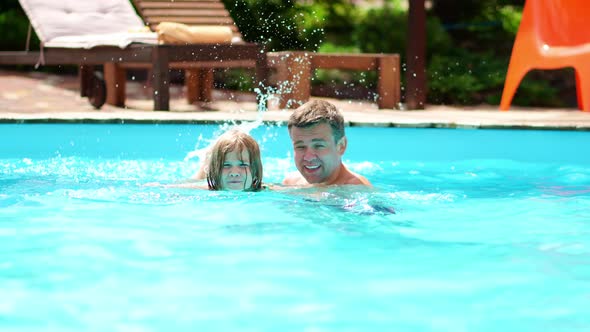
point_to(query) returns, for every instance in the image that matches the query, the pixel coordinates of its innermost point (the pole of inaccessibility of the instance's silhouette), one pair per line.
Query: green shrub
(238, 79)
(465, 78)
(546, 88)
(381, 30)
(510, 17)
(14, 26)
(277, 24)
(336, 18)
(385, 30)
(6, 5)
(343, 77)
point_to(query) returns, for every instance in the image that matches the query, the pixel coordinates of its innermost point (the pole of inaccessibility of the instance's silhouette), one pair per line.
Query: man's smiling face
(317, 156)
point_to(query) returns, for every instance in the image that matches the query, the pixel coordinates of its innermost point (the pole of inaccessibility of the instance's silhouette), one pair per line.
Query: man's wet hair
(315, 112)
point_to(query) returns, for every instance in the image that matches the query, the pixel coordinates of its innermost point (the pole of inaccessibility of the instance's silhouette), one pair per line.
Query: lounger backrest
(56, 18)
(191, 12)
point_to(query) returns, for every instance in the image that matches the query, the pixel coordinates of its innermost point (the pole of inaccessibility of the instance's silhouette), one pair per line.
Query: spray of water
(265, 94)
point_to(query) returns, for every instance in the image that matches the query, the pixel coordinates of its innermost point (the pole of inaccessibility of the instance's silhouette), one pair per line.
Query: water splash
(265, 94)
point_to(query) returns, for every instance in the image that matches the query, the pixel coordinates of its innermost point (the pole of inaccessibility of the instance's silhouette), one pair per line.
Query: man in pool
(317, 132)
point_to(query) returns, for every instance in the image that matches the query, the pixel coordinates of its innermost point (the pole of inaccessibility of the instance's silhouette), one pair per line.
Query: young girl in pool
(233, 163)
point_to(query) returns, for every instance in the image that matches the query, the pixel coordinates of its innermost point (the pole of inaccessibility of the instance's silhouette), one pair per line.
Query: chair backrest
(560, 22)
(57, 18)
(191, 12)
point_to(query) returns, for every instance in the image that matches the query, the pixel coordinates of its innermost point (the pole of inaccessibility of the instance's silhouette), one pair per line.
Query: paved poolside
(41, 97)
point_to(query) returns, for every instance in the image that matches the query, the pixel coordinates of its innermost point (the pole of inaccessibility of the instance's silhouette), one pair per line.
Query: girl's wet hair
(234, 140)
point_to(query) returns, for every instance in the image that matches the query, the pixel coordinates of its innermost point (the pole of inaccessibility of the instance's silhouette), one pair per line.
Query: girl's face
(235, 172)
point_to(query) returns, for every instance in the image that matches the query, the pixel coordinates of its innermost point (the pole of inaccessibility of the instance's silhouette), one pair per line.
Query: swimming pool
(491, 233)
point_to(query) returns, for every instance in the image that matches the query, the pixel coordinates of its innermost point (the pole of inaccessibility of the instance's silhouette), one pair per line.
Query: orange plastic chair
(552, 34)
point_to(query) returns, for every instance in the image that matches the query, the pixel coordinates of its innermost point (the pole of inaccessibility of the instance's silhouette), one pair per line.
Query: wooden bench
(295, 71)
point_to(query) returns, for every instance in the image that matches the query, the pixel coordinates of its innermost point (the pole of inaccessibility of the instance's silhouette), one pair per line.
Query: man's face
(236, 173)
(317, 157)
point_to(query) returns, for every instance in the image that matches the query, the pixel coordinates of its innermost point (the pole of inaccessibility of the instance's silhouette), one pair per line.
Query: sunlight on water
(452, 237)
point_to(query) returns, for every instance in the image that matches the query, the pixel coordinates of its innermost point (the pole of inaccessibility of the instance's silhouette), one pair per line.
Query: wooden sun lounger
(160, 58)
(198, 70)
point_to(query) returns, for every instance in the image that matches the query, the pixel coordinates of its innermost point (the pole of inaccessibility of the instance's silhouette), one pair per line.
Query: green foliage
(14, 26)
(467, 78)
(6, 5)
(333, 18)
(277, 24)
(461, 11)
(480, 24)
(546, 88)
(384, 30)
(510, 17)
(329, 47)
(381, 30)
(238, 79)
(339, 16)
(343, 77)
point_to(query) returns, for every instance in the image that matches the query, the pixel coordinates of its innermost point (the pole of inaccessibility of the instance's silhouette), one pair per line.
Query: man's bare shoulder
(362, 180)
(294, 179)
(354, 178)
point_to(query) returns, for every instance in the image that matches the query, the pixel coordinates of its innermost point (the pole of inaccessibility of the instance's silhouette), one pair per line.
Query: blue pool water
(491, 233)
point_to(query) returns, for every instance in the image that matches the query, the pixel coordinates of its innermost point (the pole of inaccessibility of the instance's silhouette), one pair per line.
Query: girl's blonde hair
(234, 140)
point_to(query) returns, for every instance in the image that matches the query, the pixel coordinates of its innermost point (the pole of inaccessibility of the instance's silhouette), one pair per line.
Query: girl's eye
(244, 165)
(299, 147)
(226, 165)
(319, 146)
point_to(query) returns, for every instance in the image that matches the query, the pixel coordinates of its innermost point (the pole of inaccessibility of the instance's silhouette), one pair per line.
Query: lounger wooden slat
(217, 13)
(233, 28)
(191, 20)
(179, 5)
(195, 1)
